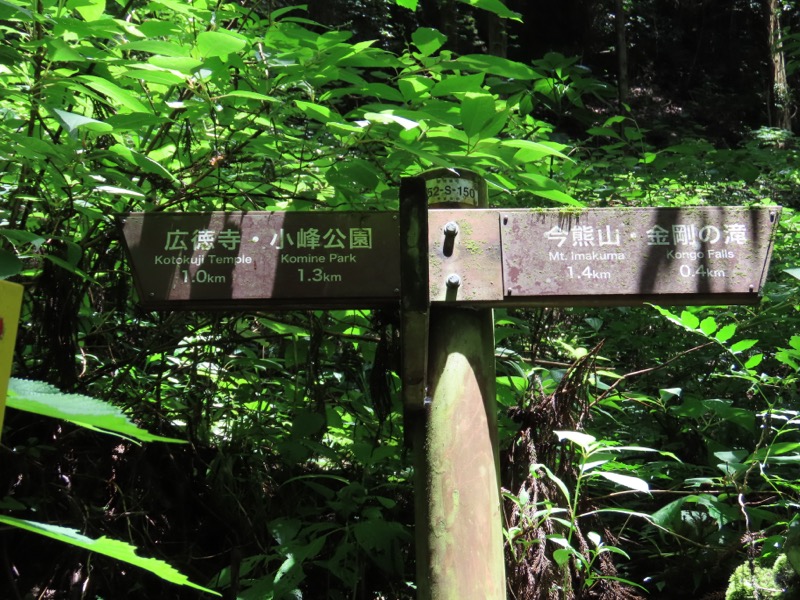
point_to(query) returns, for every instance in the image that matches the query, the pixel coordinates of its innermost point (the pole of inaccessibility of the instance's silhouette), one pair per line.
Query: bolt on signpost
(447, 261)
(10, 302)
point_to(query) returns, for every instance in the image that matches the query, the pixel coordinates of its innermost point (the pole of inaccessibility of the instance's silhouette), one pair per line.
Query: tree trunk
(497, 37)
(780, 97)
(622, 52)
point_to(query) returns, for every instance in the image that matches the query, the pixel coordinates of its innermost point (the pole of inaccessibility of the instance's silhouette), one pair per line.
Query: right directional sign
(623, 256)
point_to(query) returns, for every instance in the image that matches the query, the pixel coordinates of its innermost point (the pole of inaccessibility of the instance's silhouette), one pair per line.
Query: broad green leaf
(561, 556)
(9, 264)
(531, 151)
(726, 333)
(153, 74)
(180, 64)
(670, 515)
(742, 417)
(43, 399)
(633, 483)
(388, 117)
(708, 325)
(13, 9)
(458, 84)
(476, 111)
(742, 345)
(219, 43)
(115, 93)
(793, 272)
(317, 112)
(164, 49)
(547, 188)
(115, 549)
(249, 95)
(59, 50)
(90, 10)
(495, 6)
(774, 449)
(72, 122)
(118, 191)
(148, 165)
(689, 320)
(409, 4)
(584, 440)
(668, 315)
(754, 361)
(428, 40)
(495, 65)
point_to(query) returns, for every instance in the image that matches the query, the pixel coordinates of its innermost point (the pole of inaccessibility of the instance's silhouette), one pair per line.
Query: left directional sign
(264, 259)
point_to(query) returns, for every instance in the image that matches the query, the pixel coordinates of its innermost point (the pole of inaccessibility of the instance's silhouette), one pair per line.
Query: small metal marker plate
(452, 190)
(264, 259)
(472, 255)
(626, 256)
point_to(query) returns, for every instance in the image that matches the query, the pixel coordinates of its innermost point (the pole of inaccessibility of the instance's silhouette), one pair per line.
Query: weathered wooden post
(458, 510)
(10, 301)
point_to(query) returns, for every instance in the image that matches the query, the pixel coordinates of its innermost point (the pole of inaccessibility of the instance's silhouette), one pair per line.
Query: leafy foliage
(113, 548)
(42, 399)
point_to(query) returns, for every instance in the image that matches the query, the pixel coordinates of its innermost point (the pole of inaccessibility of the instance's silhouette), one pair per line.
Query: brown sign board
(482, 257)
(625, 256)
(264, 259)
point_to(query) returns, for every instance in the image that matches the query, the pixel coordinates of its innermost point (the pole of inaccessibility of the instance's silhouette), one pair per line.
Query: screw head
(453, 280)
(451, 228)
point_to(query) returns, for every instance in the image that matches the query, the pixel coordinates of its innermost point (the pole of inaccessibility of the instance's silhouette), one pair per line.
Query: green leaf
(726, 333)
(409, 4)
(72, 122)
(584, 440)
(115, 93)
(670, 515)
(147, 165)
(547, 188)
(708, 325)
(90, 10)
(317, 112)
(428, 40)
(9, 264)
(162, 48)
(182, 64)
(561, 556)
(531, 151)
(476, 111)
(689, 320)
(219, 44)
(496, 7)
(742, 345)
(668, 315)
(115, 549)
(754, 361)
(458, 84)
(632, 483)
(387, 117)
(43, 399)
(495, 65)
(793, 272)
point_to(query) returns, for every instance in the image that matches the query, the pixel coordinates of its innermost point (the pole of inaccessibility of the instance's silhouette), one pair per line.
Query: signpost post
(446, 260)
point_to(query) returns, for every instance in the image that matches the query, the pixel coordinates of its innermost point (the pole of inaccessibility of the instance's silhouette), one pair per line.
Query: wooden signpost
(446, 260)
